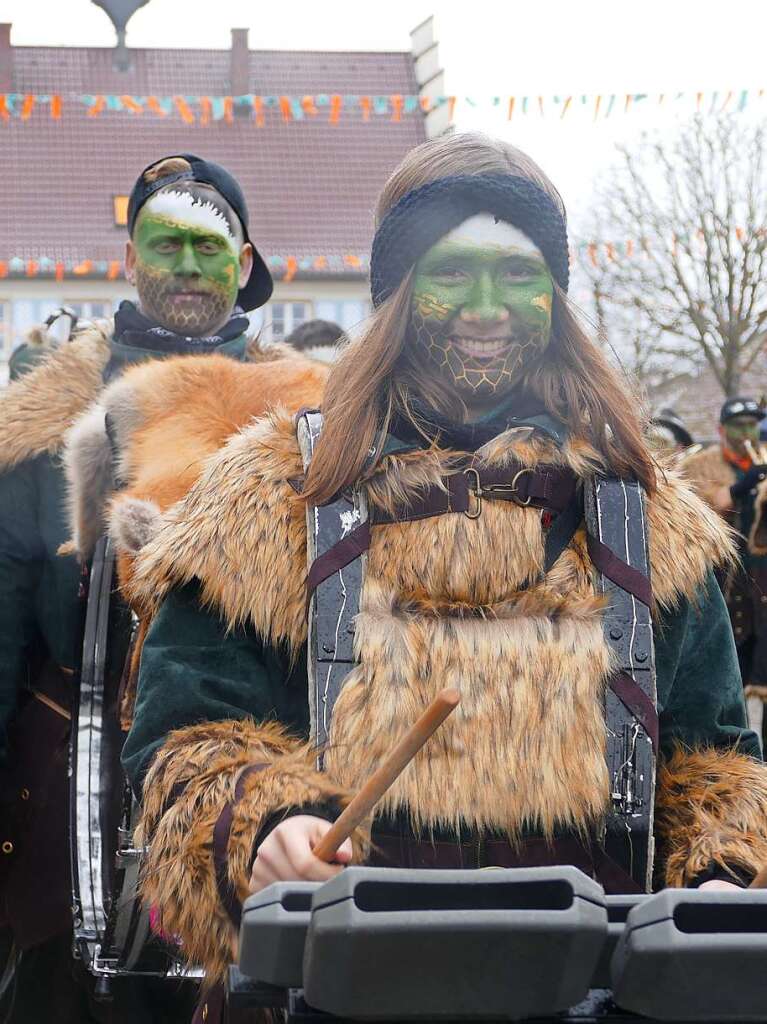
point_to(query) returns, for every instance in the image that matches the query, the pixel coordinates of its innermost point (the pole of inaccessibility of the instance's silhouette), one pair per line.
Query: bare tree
(678, 275)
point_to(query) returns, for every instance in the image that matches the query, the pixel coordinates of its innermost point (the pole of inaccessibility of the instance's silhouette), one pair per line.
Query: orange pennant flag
(113, 272)
(3, 269)
(320, 263)
(258, 107)
(597, 105)
(630, 247)
(740, 234)
(698, 100)
(285, 108)
(627, 104)
(27, 106)
(56, 108)
(425, 103)
(352, 261)
(512, 100)
(450, 107)
(154, 105)
(83, 268)
(593, 254)
(366, 104)
(183, 108)
(610, 248)
(32, 268)
(98, 105)
(566, 106)
(4, 107)
(308, 106)
(228, 109)
(130, 104)
(59, 271)
(291, 269)
(397, 103)
(336, 102)
(205, 108)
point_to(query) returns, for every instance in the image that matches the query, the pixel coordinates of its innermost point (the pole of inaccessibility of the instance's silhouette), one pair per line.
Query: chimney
(239, 63)
(430, 76)
(6, 58)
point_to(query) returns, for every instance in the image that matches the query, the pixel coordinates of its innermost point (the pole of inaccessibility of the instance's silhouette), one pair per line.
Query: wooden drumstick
(382, 778)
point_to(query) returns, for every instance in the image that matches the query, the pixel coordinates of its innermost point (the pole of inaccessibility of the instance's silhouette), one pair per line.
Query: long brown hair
(377, 376)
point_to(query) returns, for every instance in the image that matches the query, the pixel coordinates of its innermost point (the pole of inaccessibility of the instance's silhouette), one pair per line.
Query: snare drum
(111, 927)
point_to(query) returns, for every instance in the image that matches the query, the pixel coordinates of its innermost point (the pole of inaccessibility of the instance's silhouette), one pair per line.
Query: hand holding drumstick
(311, 849)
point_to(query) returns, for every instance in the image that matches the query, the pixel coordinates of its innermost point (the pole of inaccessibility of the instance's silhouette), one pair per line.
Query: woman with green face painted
(466, 422)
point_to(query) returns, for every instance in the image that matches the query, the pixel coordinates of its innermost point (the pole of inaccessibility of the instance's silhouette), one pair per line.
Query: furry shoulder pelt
(152, 429)
(241, 531)
(37, 410)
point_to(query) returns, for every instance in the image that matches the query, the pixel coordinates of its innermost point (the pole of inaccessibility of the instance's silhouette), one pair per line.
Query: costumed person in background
(319, 339)
(727, 476)
(465, 424)
(668, 432)
(195, 270)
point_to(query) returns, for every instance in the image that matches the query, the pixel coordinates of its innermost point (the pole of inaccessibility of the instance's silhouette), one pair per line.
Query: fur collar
(37, 410)
(165, 418)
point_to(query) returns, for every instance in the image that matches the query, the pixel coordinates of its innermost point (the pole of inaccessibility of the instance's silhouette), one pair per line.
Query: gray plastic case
(618, 908)
(400, 944)
(692, 955)
(273, 931)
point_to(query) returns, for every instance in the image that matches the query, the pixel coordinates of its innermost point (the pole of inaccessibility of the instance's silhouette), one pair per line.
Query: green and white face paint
(187, 262)
(481, 310)
(742, 432)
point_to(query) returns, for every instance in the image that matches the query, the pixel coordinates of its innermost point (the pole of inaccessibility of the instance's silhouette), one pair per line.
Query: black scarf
(135, 330)
(466, 437)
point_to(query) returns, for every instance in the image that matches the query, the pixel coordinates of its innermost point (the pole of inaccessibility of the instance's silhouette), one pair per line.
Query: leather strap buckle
(478, 492)
(473, 511)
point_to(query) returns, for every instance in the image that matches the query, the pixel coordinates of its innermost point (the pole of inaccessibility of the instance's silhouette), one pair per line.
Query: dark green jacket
(41, 618)
(40, 612)
(194, 670)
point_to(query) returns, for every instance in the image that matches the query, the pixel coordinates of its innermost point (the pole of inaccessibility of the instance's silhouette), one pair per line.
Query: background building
(311, 180)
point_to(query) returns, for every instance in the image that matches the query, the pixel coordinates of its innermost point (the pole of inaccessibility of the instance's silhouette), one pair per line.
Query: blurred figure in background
(318, 339)
(668, 432)
(727, 476)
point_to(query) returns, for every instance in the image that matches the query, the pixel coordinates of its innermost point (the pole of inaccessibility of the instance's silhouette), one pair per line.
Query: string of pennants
(285, 268)
(333, 106)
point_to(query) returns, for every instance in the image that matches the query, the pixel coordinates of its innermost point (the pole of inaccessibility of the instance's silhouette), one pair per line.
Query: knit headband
(424, 215)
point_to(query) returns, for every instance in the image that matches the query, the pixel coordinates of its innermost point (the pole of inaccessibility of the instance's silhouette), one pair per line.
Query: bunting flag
(284, 268)
(590, 252)
(333, 107)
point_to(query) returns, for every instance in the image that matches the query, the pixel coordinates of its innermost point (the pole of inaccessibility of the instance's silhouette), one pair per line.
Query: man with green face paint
(195, 271)
(728, 476)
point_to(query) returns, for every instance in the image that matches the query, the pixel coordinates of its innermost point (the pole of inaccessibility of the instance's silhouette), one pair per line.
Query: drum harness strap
(339, 535)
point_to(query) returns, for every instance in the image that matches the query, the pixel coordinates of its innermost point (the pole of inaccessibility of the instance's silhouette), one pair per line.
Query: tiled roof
(311, 186)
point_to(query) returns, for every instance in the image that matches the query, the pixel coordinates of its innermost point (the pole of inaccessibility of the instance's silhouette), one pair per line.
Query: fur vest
(530, 662)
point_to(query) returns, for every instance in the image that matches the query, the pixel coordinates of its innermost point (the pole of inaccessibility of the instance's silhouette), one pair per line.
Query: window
(284, 317)
(90, 309)
(347, 313)
(120, 204)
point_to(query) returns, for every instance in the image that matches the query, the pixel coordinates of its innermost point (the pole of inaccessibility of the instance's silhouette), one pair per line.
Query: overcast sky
(487, 48)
